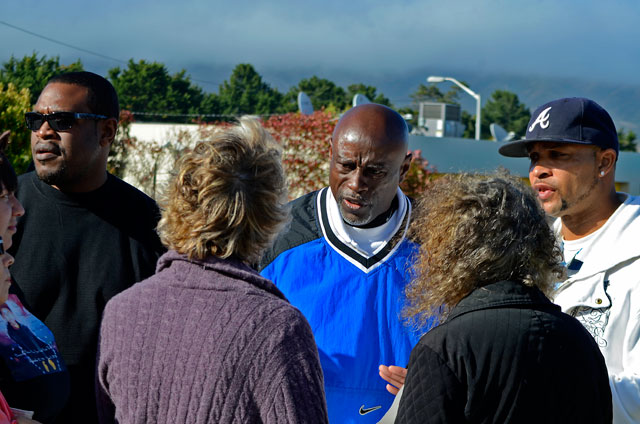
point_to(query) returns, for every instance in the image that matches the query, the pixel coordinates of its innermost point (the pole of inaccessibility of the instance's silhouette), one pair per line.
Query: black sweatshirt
(73, 252)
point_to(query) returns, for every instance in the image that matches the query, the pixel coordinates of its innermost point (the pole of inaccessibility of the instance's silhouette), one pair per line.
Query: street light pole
(434, 79)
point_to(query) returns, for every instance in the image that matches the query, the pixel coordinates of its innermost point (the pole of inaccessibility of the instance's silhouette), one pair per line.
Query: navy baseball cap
(574, 120)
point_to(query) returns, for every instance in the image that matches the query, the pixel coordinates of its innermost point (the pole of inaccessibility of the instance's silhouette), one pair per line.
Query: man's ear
(406, 164)
(607, 161)
(109, 130)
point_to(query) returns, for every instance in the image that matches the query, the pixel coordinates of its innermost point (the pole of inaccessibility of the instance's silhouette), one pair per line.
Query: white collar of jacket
(360, 258)
(614, 243)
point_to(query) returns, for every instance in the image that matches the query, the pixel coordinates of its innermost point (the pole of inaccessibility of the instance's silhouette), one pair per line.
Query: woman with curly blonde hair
(503, 352)
(207, 339)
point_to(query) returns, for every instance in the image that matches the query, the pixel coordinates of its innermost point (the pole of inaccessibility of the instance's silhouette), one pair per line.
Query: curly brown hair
(228, 197)
(475, 230)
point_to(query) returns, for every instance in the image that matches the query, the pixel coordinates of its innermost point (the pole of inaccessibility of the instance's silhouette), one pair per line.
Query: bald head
(380, 123)
(369, 159)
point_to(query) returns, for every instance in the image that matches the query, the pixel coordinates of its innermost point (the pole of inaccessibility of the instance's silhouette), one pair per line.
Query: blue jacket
(352, 303)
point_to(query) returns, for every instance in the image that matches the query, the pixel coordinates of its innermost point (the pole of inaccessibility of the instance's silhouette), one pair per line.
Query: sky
(590, 40)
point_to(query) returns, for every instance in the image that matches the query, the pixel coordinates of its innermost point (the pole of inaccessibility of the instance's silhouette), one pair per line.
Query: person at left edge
(86, 235)
(38, 393)
(9, 415)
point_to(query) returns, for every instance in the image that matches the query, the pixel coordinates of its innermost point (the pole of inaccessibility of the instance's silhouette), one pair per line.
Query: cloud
(582, 39)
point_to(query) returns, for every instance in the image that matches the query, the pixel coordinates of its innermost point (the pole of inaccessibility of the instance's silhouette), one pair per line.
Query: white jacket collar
(616, 242)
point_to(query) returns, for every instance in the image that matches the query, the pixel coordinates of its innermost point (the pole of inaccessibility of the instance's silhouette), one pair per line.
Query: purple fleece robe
(207, 342)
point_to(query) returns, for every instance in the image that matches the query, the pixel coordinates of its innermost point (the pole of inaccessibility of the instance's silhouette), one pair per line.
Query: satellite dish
(500, 134)
(360, 99)
(304, 104)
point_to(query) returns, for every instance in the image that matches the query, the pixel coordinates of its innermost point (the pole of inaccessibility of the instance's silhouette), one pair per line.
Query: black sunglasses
(58, 121)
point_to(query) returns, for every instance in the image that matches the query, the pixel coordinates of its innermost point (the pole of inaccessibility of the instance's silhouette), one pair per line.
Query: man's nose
(45, 130)
(357, 181)
(539, 170)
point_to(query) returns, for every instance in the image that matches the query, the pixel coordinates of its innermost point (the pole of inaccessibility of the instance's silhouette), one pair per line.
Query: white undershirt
(573, 248)
(366, 241)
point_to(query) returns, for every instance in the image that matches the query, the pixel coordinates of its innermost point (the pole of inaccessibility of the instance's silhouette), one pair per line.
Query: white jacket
(604, 295)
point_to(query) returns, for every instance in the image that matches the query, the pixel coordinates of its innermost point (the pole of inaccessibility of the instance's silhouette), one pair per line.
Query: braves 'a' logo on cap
(542, 119)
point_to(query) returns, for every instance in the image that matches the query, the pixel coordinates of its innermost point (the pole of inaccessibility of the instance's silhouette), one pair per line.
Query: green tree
(148, 87)
(431, 93)
(246, 93)
(627, 140)
(469, 122)
(322, 92)
(14, 103)
(368, 90)
(33, 72)
(210, 105)
(504, 108)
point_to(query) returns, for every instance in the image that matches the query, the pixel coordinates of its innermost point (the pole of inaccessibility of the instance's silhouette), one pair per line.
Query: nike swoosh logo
(365, 411)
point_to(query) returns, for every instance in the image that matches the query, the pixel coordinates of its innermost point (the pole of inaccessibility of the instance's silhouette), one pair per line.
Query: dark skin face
(369, 159)
(73, 160)
(574, 183)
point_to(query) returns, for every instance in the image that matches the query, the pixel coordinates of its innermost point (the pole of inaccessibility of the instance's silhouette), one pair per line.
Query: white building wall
(151, 160)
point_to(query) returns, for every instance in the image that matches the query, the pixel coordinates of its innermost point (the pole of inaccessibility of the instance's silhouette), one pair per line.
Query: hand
(394, 375)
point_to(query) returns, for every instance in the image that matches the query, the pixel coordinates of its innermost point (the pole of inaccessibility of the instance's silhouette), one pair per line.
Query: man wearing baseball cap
(573, 148)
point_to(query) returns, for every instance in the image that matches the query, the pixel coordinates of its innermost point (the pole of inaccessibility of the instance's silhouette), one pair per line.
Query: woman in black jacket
(503, 353)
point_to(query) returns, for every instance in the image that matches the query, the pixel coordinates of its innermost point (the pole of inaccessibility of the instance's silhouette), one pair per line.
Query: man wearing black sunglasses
(70, 143)
(86, 235)
(58, 121)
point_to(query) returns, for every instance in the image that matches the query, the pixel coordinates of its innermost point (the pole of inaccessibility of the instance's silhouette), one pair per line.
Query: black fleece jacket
(506, 354)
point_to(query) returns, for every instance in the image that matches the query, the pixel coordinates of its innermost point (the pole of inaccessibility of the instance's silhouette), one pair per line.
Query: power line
(85, 50)
(203, 81)
(62, 43)
(199, 115)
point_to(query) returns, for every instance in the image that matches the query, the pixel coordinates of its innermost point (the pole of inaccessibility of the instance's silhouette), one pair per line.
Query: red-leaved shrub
(305, 140)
